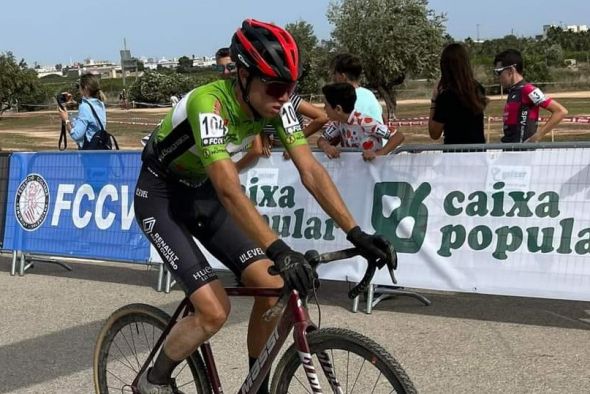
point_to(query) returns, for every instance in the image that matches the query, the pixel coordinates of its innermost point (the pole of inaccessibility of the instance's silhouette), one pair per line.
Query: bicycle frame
(295, 316)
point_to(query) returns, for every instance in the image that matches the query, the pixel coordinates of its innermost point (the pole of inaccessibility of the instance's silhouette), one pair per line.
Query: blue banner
(77, 204)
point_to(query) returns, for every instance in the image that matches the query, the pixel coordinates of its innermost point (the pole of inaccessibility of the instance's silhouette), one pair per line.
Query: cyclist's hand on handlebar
(375, 248)
(292, 266)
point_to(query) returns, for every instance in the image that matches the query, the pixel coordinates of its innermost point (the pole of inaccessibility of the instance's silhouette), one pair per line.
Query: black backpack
(102, 139)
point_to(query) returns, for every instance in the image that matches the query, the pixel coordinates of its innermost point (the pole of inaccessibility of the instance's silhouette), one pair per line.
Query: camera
(63, 98)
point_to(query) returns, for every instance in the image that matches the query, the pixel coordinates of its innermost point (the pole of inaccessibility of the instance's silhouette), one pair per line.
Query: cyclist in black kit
(188, 186)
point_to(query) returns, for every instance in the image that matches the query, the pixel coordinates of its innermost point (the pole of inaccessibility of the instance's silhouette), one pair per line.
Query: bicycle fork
(304, 353)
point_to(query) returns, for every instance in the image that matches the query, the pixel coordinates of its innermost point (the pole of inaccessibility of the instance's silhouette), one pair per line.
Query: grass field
(36, 131)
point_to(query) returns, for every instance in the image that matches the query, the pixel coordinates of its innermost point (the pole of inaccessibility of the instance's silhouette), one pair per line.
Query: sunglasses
(220, 68)
(498, 71)
(278, 88)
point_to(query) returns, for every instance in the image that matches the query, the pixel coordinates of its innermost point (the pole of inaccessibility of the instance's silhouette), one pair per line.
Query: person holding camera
(92, 116)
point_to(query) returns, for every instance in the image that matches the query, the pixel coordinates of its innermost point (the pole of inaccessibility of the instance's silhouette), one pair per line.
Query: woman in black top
(458, 100)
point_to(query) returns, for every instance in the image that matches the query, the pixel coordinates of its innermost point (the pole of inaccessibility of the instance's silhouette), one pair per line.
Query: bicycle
(127, 332)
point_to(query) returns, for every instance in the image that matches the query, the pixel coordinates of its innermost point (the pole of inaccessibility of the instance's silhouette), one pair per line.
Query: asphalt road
(463, 343)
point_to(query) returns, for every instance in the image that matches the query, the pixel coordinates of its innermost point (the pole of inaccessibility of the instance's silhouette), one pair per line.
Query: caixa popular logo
(32, 202)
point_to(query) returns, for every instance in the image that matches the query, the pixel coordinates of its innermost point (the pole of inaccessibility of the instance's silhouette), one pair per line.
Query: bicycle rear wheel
(351, 363)
(125, 342)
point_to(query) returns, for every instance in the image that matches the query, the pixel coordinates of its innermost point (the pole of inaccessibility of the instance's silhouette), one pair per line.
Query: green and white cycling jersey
(208, 125)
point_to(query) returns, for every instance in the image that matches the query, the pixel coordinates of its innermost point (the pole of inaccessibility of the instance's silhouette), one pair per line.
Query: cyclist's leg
(155, 204)
(230, 245)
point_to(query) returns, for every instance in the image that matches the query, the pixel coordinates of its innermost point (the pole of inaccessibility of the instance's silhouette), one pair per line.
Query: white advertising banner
(509, 223)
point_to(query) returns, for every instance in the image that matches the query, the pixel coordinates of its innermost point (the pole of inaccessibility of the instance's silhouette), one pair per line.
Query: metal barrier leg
(355, 304)
(168, 281)
(21, 266)
(13, 265)
(387, 291)
(370, 294)
(160, 278)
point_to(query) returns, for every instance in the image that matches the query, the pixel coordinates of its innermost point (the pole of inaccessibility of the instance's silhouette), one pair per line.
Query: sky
(51, 32)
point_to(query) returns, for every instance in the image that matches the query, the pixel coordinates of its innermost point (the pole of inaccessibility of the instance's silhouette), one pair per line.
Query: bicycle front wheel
(345, 362)
(125, 342)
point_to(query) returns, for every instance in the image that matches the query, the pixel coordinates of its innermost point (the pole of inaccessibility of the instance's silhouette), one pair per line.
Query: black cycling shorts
(171, 214)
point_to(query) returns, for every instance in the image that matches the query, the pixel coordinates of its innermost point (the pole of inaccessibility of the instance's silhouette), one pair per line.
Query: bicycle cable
(317, 302)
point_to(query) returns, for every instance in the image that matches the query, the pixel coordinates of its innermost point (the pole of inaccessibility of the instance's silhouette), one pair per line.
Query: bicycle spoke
(181, 369)
(150, 347)
(376, 381)
(305, 386)
(128, 345)
(116, 377)
(347, 365)
(134, 347)
(357, 376)
(125, 357)
(123, 390)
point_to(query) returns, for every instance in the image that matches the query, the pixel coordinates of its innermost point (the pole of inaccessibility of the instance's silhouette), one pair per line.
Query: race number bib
(289, 118)
(537, 96)
(212, 129)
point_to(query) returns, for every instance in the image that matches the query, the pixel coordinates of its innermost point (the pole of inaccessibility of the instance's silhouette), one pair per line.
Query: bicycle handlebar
(315, 259)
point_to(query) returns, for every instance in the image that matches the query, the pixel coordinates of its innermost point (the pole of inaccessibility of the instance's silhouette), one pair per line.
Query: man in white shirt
(347, 68)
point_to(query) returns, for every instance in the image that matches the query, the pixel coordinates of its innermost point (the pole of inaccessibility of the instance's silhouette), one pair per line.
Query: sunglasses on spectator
(498, 71)
(277, 88)
(220, 68)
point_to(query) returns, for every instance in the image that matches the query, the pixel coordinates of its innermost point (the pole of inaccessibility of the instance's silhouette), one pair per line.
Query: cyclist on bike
(188, 186)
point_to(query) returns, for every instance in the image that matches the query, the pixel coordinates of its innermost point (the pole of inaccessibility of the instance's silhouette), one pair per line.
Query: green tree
(307, 42)
(156, 87)
(185, 64)
(17, 83)
(393, 38)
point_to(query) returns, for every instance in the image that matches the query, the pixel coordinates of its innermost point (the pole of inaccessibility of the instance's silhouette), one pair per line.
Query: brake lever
(392, 264)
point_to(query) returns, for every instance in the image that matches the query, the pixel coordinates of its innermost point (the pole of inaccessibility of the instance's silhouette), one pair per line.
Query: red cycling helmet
(266, 50)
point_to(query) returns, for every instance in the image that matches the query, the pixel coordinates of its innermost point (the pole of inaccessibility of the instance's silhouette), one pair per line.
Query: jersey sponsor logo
(537, 96)
(165, 250)
(204, 274)
(32, 202)
(290, 139)
(166, 151)
(289, 118)
(213, 141)
(250, 254)
(148, 225)
(141, 193)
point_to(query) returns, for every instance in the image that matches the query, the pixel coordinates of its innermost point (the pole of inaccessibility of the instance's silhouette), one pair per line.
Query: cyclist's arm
(393, 142)
(317, 116)
(316, 180)
(558, 112)
(224, 177)
(252, 154)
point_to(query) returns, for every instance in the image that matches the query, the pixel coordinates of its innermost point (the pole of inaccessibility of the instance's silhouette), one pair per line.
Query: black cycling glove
(292, 266)
(372, 247)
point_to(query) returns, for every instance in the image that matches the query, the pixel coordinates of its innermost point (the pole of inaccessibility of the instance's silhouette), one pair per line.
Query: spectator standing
(348, 68)
(353, 128)
(123, 99)
(521, 112)
(92, 115)
(458, 100)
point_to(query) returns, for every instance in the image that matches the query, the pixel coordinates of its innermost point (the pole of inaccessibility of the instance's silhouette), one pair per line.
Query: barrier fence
(493, 219)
